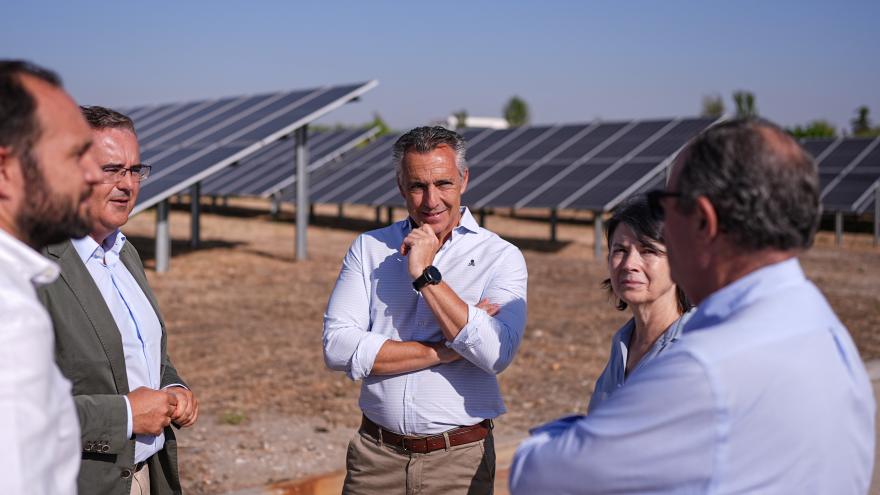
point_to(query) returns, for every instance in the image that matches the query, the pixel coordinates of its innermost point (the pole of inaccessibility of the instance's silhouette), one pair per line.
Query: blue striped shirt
(374, 301)
(765, 392)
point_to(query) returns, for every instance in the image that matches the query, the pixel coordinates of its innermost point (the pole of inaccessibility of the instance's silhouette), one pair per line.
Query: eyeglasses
(112, 174)
(655, 197)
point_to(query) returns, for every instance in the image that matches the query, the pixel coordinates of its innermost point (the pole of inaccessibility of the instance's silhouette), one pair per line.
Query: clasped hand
(153, 410)
(419, 247)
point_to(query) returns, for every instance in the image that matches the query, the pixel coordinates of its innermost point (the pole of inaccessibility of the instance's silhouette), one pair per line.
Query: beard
(45, 217)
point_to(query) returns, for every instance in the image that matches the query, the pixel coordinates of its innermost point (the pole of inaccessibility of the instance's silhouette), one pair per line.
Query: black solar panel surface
(188, 142)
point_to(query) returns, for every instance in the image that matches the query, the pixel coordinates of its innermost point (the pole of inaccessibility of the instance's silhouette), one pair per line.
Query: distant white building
(477, 122)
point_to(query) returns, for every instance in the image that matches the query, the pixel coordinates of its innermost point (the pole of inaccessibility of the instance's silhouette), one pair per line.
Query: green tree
(815, 129)
(379, 122)
(516, 112)
(713, 106)
(861, 125)
(745, 104)
(460, 118)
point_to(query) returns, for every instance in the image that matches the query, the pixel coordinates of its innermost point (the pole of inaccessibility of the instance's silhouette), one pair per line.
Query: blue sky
(571, 61)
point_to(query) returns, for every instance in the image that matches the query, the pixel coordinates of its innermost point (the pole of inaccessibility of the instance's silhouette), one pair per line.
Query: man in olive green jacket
(110, 338)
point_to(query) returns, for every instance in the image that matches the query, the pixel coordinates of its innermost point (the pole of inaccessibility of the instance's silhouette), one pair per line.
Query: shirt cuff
(468, 336)
(365, 355)
(128, 426)
(175, 385)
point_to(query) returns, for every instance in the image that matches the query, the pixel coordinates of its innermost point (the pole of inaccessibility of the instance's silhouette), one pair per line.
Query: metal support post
(163, 237)
(302, 191)
(553, 221)
(838, 228)
(597, 234)
(389, 211)
(274, 206)
(379, 215)
(482, 217)
(195, 220)
(340, 214)
(877, 216)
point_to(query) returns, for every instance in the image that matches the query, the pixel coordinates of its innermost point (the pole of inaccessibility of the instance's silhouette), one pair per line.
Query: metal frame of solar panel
(188, 142)
(271, 169)
(849, 177)
(592, 166)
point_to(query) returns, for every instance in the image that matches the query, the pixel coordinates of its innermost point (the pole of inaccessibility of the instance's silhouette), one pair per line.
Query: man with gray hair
(46, 174)
(426, 311)
(766, 392)
(110, 337)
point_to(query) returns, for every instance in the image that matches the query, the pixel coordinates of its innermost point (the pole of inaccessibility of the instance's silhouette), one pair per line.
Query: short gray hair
(100, 118)
(425, 140)
(763, 185)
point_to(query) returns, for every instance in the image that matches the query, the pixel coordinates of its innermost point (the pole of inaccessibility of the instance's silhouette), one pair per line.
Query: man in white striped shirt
(426, 312)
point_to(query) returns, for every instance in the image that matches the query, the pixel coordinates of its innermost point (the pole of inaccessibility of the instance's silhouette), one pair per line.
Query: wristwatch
(431, 276)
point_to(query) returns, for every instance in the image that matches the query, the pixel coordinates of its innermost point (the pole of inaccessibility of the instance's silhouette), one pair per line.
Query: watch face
(433, 275)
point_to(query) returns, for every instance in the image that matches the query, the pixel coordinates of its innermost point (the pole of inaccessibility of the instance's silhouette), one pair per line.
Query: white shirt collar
(466, 221)
(27, 262)
(88, 248)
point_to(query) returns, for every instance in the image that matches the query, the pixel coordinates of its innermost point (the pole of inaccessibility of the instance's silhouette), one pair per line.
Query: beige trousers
(140, 481)
(384, 469)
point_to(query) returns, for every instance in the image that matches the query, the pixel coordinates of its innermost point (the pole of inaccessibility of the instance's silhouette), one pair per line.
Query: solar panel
(188, 142)
(590, 166)
(273, 168)
(850, 188)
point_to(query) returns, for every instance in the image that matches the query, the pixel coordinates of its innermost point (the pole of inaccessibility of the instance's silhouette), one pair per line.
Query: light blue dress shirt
(614, 375)
(136, 319)
(374, 301)
(764, 393)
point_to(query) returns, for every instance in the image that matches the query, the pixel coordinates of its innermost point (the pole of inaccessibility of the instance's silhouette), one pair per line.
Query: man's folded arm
(491, 342)
(349, 346)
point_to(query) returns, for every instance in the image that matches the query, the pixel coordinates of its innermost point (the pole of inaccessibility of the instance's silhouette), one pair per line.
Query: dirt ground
(244, 322)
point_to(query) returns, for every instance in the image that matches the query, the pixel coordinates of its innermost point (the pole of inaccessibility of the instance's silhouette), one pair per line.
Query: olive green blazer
(88, 349)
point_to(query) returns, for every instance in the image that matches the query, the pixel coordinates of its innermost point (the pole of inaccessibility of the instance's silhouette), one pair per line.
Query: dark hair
(763, 185)
(106, 118)
(19, 127)
(647, 224)
(425, 140)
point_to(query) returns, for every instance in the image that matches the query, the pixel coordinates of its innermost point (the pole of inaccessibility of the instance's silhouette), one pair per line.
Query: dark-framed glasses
(655, 198)
(112, 174)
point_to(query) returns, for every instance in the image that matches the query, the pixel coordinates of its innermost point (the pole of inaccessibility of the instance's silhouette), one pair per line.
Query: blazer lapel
(132, 262)
(79, 280)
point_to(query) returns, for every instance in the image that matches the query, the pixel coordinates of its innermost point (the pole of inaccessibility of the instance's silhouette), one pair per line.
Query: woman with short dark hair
(639, 280)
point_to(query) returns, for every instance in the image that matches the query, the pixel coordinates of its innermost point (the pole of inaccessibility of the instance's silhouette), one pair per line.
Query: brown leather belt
(422, 445)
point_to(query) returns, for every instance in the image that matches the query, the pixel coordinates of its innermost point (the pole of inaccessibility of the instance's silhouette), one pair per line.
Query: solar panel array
(585, 166)
(849, 172)
(273, 168)
(188, 142)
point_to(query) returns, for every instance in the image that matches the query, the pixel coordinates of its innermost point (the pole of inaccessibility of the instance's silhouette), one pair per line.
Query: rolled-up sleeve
(490, 342)
(348, 343)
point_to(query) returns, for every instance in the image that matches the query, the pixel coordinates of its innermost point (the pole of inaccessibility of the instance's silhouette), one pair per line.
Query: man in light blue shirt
(110, 338)
(409, 316)
(765, 392)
